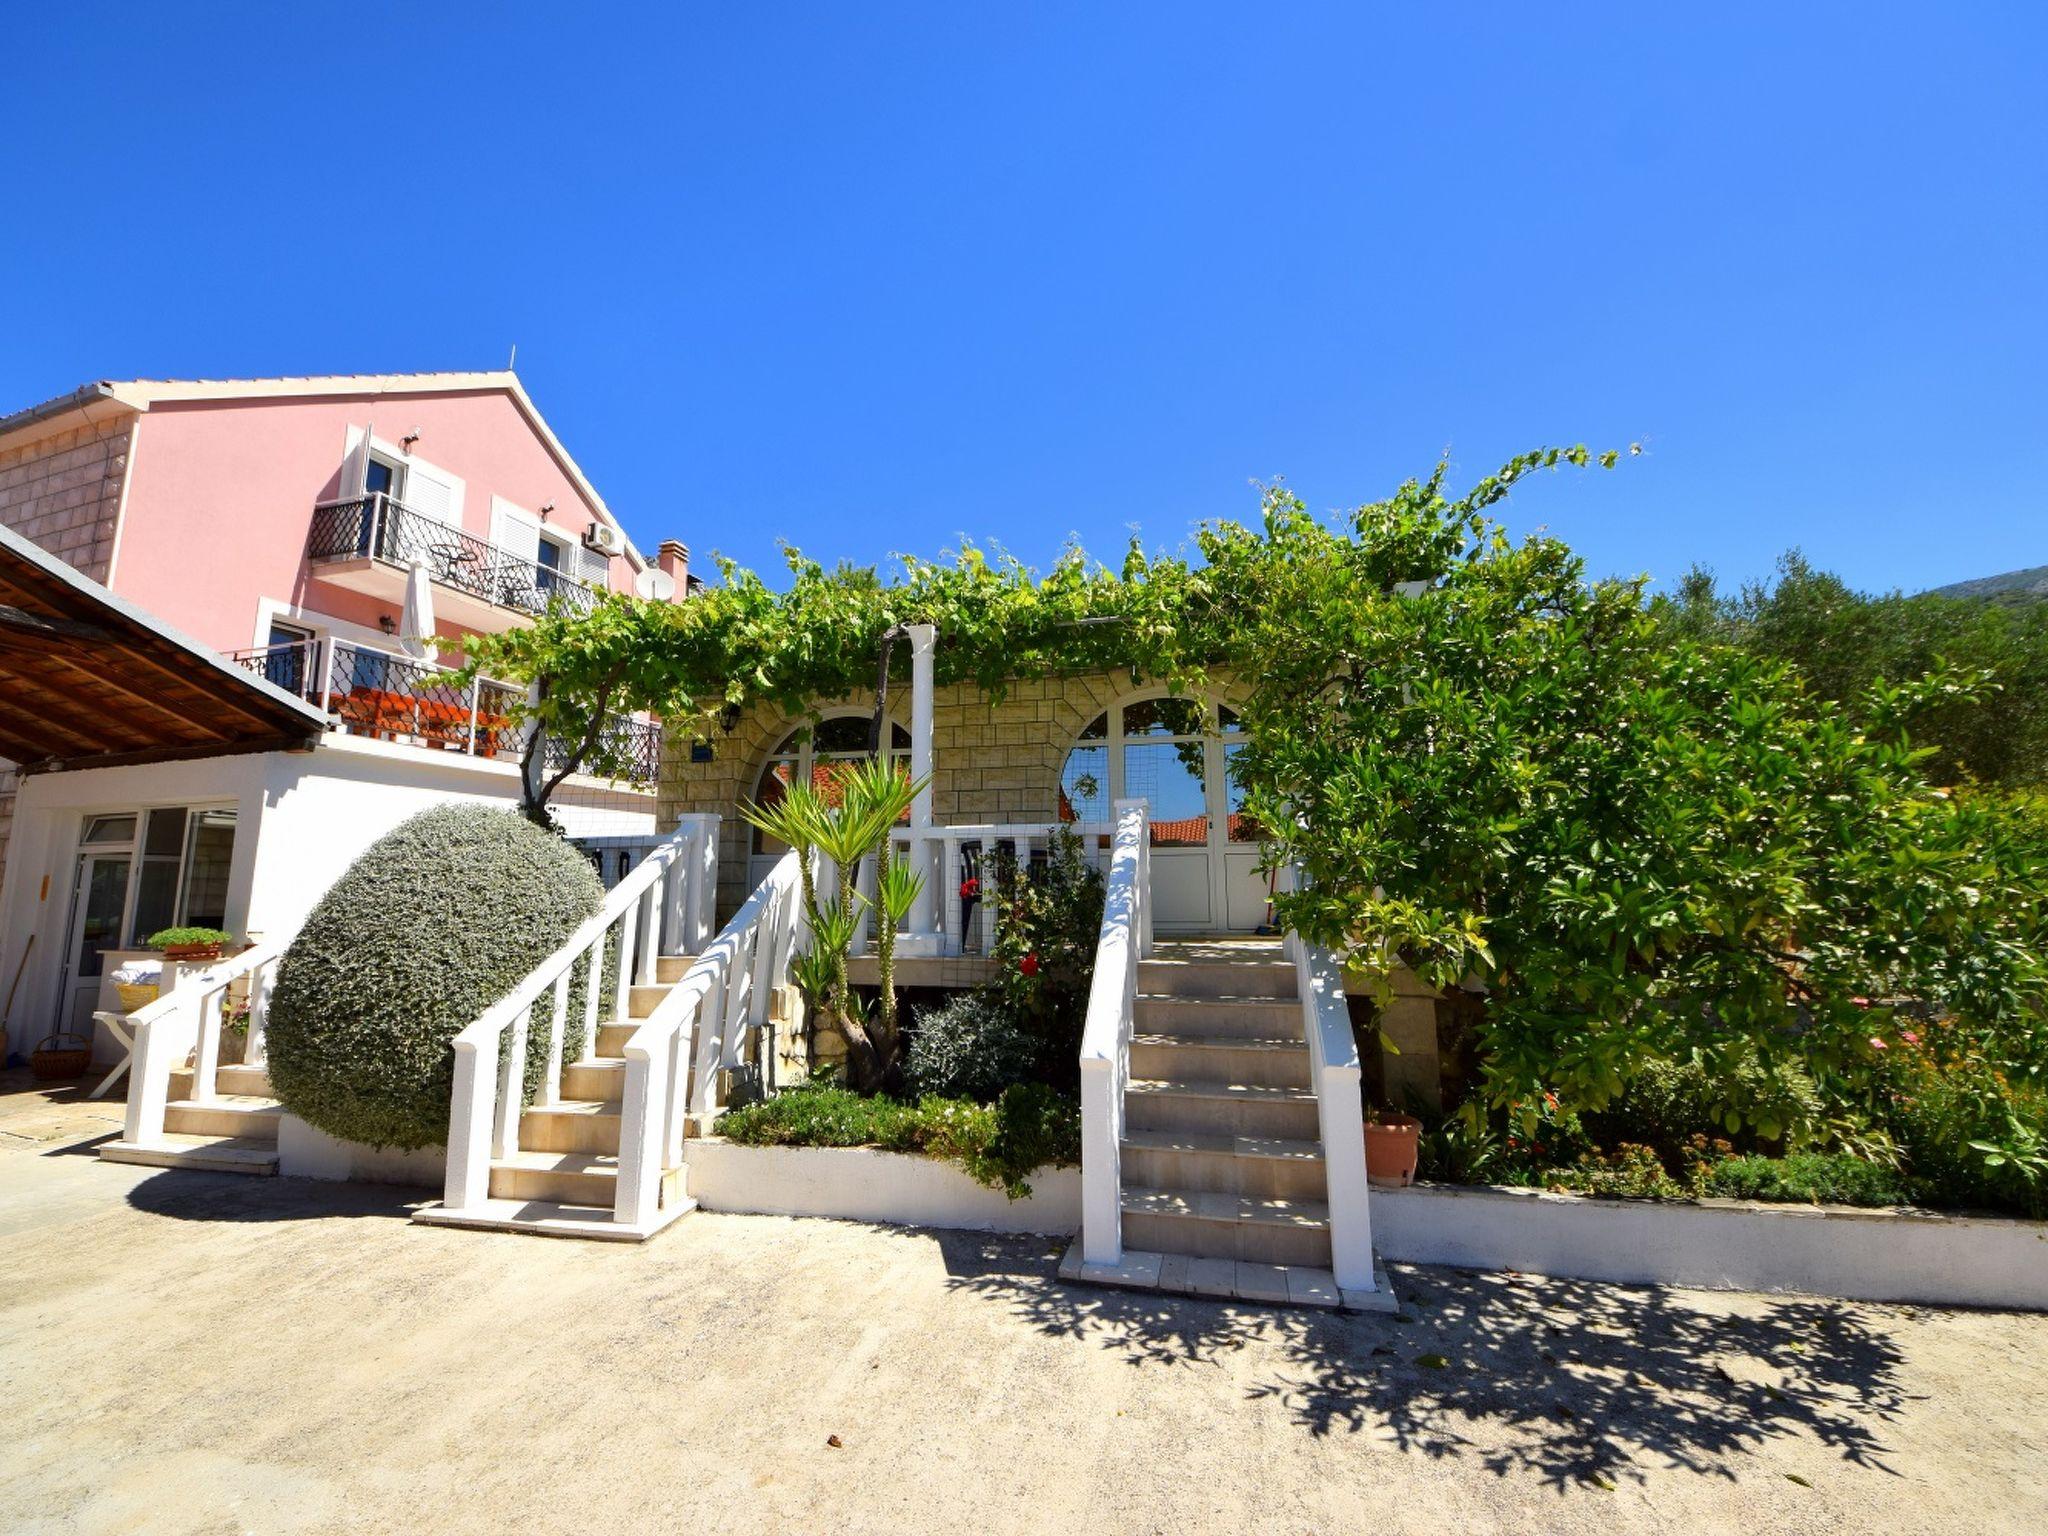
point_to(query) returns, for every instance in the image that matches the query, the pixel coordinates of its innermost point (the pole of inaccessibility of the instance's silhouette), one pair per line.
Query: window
(1159, 750)
(813, 753)
(553, 559)
(383, 483)
(288, 658)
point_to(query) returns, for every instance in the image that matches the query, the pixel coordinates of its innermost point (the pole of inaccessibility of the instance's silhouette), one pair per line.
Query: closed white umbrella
(416, 624)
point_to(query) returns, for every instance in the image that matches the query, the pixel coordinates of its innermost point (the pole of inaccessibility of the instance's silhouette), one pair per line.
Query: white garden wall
(862, 1184)
(1720, 1245)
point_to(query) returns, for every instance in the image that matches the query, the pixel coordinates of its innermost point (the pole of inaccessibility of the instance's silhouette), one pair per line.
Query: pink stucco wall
(222, 492)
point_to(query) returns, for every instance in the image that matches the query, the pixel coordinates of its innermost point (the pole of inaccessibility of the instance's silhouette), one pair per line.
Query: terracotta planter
(1390, 1149)
(192, 951)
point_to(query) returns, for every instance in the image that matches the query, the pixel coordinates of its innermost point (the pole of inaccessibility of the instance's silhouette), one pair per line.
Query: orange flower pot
(1390, 1150)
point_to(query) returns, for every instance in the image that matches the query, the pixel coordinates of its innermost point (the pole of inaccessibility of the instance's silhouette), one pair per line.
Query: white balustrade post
(469, 1124)
(593, 991)
(558, 1025)
(206, 1054)
(511, 1089)
(923, 637)
(157, 1050)
(622, 992)
(261, 982)
(647, 917)
(704, 918)
(641, 1124)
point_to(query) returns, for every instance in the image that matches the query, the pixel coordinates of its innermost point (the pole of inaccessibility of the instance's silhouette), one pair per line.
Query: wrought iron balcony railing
(376, 527)
(367, 692)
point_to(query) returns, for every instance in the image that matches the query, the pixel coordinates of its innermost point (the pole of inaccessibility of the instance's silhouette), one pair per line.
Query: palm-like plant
(872, 797)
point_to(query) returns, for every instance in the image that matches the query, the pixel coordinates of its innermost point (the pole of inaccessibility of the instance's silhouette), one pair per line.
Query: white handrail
(666, 900)
(704, 1019)
(1334, 1070)
(1125, 939)
(186, 1021)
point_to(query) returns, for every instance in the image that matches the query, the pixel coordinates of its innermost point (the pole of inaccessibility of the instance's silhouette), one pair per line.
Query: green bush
(1972, 1134)
(1820, 1178)
(1029, 1126)
(436, 921)
(972, 1046)
(1665, 1103)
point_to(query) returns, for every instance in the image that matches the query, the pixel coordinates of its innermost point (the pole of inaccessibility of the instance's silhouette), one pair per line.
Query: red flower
(970, 889)
(1876, 1044)
(1028, 966)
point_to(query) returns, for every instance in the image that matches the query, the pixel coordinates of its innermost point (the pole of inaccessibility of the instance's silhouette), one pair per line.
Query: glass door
(99, 903)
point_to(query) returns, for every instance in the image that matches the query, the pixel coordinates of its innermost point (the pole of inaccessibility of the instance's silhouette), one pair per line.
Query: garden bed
(1850, 1252)
(866, 1184)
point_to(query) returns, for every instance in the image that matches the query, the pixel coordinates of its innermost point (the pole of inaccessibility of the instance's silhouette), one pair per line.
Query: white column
(922, 638)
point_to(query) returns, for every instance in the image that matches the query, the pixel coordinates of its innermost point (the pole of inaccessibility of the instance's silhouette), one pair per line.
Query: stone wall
(992, 760)
(63, 492)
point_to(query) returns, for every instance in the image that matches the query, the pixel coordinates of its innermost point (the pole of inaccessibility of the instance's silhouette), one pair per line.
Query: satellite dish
(654, 584)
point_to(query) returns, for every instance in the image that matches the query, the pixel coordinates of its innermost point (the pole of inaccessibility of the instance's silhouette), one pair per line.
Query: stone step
(210, 1154)
(556, 1218)
(1179, 1058)
(1264, 1167)
(1223, 1226)
(570, 1127)
(1216, 978)
(1241, 1018)
(568, 1178)
(602, 1081)
(1178, 1274)
(245, 1119)
(642, 1001)
(1231, 1109)
(612, 1038)
(670, 969)
(251, 1082)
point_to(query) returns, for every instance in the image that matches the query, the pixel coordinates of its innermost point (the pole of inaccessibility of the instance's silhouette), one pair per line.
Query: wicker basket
(136, 995)
(60, 1057)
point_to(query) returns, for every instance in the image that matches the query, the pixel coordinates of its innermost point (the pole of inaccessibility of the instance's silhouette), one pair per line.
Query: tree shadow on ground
(1572, 1381)
(188, 1194)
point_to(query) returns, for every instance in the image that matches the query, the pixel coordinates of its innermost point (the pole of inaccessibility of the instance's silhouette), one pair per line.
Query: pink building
(340, 538)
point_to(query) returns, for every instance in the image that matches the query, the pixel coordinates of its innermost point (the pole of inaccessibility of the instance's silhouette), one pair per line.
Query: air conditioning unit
(604, 538)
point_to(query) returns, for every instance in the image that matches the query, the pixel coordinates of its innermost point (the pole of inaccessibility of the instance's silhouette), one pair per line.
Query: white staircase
(1223, 1137)
(598, 1152)
(187, 1109)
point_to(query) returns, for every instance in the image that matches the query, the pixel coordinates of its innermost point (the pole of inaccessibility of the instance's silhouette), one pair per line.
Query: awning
(88, 680)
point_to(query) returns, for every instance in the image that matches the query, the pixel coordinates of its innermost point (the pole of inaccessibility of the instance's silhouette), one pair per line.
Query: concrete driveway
(196, 1352)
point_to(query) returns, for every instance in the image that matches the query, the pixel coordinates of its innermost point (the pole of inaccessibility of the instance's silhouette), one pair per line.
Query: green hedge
(436, 921)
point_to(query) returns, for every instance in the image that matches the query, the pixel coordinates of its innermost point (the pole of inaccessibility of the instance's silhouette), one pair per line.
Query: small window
(110, 829)
(1164, 717)
(1097, 729)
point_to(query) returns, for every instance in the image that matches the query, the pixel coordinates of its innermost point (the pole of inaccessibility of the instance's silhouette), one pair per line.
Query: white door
(98, 904)
(1175, 755)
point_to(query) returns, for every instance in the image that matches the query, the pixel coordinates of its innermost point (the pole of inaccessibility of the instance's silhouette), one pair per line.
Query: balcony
(368, 544)
(373, 693)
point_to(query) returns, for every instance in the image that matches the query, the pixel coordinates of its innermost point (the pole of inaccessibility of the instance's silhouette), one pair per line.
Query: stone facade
(63, 492)
(992, 760)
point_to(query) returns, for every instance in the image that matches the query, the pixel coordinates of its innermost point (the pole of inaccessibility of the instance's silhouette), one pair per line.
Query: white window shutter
(433, 493)
(355, 465)
(515, 531)
(593, 567)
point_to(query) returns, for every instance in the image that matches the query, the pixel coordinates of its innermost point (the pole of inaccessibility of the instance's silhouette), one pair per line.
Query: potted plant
(187, 943)
(1391, 1144)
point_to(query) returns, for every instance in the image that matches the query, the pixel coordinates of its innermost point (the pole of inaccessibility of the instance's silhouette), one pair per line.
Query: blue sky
(869, 278)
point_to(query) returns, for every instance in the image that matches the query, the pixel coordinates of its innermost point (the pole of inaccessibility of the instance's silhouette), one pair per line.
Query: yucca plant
(871, 797)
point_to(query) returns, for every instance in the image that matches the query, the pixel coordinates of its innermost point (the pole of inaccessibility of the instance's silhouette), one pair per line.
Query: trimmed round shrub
(436, 921)
(972, 1046)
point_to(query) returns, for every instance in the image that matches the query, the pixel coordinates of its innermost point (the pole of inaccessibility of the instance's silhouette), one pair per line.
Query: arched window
(813, 754)
(1173, 752)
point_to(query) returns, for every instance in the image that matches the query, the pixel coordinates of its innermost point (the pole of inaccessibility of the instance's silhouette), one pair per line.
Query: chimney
(674, 557)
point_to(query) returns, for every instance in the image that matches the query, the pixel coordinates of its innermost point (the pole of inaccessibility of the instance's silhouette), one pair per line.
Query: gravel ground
(195, 1352)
